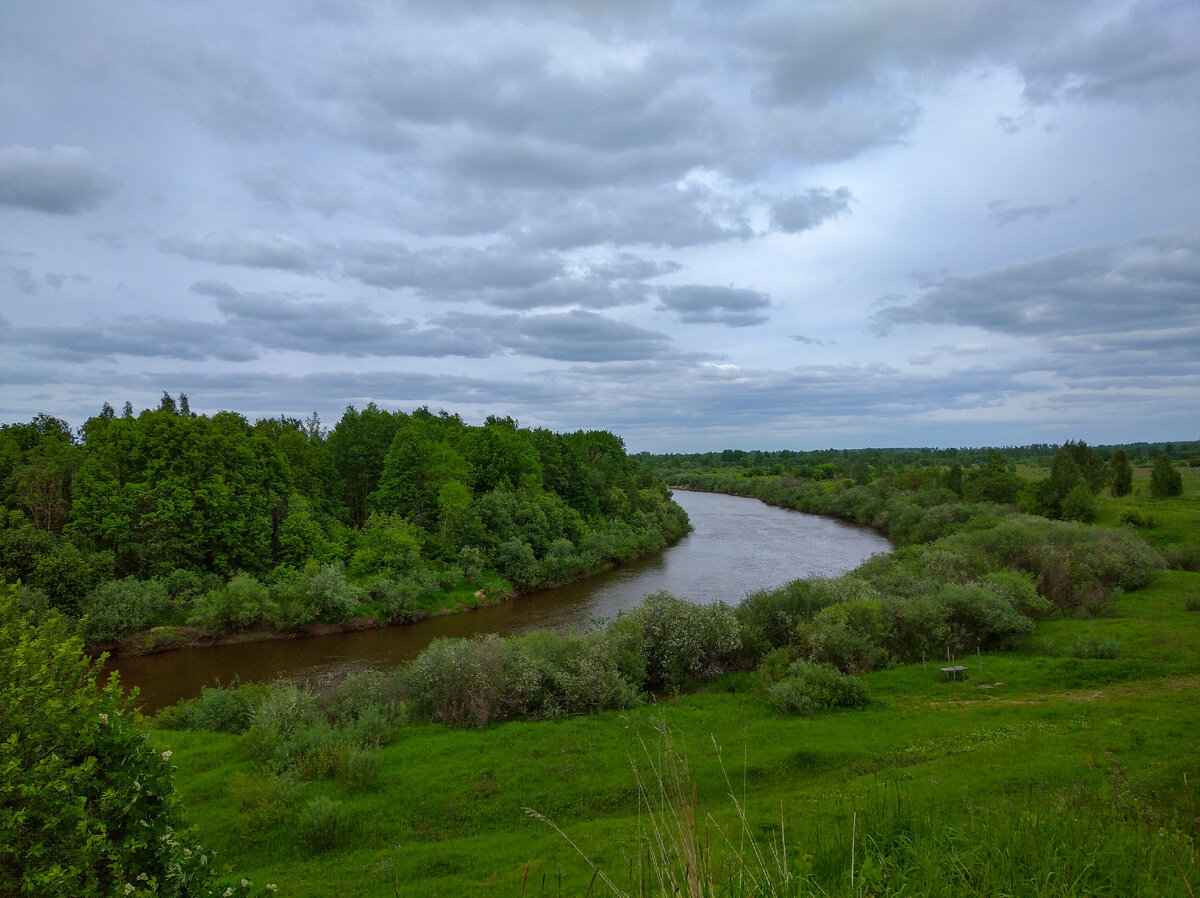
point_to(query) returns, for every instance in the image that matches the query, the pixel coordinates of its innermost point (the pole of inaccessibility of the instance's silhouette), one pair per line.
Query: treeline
(169, 517)
(1076, 475)
(838, 464)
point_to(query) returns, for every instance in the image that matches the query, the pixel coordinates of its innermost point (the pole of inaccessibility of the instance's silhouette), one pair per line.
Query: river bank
(736, 546)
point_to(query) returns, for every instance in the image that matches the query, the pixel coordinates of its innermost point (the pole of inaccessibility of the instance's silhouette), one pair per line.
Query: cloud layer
(762, 224)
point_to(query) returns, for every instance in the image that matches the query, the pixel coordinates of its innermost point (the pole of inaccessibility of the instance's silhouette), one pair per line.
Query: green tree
(359, 446)
(1165, 481)
(1121, 473)
(87, 806)
(952, 479)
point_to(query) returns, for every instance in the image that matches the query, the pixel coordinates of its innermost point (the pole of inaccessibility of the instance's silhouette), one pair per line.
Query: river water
(737, 546)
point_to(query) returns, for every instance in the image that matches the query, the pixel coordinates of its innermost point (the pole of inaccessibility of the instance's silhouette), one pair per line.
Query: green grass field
(1038, 773)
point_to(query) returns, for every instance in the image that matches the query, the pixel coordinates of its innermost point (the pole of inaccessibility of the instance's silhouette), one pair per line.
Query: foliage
(1165, 481)
(1095, 646)
(681, 640)
(240, 603)
(396, 499)
(87, 806)
(810, 688)
(120, 607)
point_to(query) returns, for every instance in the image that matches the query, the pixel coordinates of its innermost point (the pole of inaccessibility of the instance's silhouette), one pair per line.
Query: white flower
(271, 887)
(228, 893)
(166, 755)
(104, 718)
(245, 883)
(142, 877)
(129, 888)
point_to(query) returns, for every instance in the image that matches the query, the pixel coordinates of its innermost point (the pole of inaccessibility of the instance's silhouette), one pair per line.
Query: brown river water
(737, 546)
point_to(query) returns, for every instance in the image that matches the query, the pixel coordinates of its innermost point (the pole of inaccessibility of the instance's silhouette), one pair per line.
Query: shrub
(457, 681)
(241, 603)
(682, 640)
(810, 688)
(361, 769)
(396, 599)
(977, 616)
(1182, 557)
(120, 607)
(362, 694)
(846, 636)
(217, 710)
(323, 824)
(285, 710)
(86, 804)
(1131, 517)
(1070, 562)
(1093, 646)
(1192, 602)
(768, 619)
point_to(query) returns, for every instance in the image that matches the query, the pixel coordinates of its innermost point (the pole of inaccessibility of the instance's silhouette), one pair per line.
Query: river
(737, 546)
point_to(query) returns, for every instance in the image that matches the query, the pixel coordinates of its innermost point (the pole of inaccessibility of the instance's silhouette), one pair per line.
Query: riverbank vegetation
(1004, 705)
(176, 526)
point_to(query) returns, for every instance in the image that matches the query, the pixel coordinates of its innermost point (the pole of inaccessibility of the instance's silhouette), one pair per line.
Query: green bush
(361, 769)
(457, 681)
(979, 617)
(846, 636)
(86, 804)
(1182, 557)
(323, 824)
(217, 710)
(1093, 646)
(1192, 602)
(810, 688)
(681, 640)
(768, 619)
(120, 607)
(241, 603)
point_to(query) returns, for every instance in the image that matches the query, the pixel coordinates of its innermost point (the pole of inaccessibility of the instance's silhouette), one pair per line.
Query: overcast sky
(698, 225)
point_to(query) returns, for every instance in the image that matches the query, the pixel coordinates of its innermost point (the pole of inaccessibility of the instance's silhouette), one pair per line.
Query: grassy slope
(939, 773)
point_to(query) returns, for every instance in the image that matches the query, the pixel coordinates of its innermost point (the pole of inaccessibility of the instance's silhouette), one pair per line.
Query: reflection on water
(737, 546)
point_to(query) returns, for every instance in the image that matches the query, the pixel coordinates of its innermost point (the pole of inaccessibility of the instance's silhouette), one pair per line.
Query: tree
(952, 479)
(1121, 473)
(87, 806)
(1165, 481)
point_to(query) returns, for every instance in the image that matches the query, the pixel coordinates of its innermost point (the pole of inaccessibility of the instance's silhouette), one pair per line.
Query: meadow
(1067, 765)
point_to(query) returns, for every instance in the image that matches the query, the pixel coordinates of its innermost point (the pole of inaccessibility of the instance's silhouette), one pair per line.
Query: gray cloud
(448, 268)
(810, 209)
(574, 336)
(680, 215)
(251, 249)
(1146, 49)
(58, 181)
(1144, 283)
(141, 337)
(699, 304)
(336, 328)
(1001, 212)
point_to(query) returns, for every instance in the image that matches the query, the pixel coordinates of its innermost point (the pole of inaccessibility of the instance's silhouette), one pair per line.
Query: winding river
(737, 546)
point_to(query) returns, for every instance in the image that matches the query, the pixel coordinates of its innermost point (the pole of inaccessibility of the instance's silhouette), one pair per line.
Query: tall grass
(1087, 839)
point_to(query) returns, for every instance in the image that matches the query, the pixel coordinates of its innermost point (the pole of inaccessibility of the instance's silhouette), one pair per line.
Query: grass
(1039, 773)
(939, 780)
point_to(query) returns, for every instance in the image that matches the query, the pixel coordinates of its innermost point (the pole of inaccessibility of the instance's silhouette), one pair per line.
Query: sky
(773, 225)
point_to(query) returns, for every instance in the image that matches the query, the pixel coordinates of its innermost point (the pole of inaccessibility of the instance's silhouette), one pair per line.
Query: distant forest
(170, 517)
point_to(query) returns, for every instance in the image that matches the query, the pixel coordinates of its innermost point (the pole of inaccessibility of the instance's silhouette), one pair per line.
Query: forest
(183, 522)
